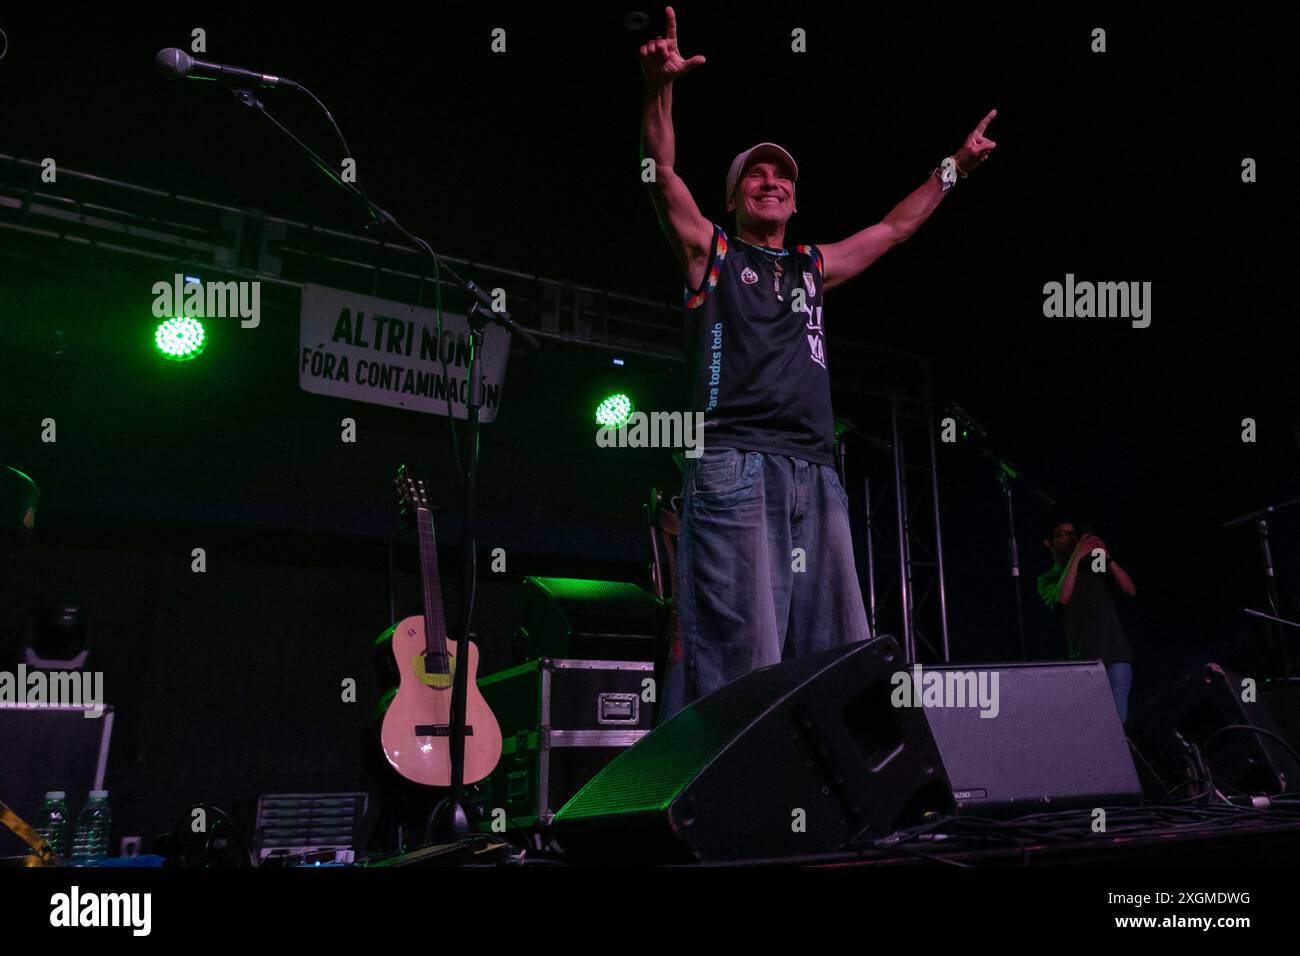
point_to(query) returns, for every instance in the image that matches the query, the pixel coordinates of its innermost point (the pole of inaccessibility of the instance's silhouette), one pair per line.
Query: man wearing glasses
(1081, 584)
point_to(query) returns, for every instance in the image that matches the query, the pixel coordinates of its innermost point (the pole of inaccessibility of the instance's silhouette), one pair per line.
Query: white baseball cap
(755, 153)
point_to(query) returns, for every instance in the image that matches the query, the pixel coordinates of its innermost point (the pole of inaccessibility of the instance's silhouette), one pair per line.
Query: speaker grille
(614, 593)
(663, 765)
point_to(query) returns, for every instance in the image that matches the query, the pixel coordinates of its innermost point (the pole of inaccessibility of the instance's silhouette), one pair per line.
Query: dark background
(1122, 166)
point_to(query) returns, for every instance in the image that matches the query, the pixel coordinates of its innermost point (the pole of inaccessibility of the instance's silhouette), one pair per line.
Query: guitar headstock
(411, 491)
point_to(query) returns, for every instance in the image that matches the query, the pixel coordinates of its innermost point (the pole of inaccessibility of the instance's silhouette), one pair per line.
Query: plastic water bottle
(52, 821)
(90, 843)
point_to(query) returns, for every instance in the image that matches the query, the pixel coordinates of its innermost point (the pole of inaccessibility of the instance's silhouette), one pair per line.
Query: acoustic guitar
(416, 729)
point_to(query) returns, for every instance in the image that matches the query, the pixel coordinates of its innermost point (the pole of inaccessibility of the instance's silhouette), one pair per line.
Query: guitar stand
(448, 824)
(448, 821)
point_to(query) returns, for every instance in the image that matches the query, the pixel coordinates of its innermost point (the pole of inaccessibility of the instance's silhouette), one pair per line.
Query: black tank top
(756, 337)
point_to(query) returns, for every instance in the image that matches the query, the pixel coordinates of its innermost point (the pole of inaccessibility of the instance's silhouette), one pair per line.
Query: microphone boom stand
(1006, 474)
(1013, 550)
(449, 821)
(1276, 635)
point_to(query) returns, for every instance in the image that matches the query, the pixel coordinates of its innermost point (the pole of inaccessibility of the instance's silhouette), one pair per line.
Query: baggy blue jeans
(1121, 679)
(765, 570)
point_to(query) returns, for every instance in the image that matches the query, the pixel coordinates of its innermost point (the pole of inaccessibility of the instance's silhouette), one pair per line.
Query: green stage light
(180, 339)
(614, 411)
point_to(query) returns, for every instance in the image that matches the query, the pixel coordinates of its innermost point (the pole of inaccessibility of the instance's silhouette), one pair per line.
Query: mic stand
(1270, 585)
(1013, 550)
(1276, 636)
(449, 822)
(1269, 617)
(1007, 473)
(383, 218)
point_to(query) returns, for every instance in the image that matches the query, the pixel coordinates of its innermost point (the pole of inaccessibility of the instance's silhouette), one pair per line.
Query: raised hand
(661, 61)
(976, 150)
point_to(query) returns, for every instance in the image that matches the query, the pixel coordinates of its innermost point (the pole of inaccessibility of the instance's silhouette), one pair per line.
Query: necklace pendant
(778, 272)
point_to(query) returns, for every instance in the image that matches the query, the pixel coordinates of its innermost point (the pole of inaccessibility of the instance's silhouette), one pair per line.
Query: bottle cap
(55, 795)
(101, 794)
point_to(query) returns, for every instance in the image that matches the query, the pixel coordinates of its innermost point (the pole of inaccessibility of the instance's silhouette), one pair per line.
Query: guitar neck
(435, 627)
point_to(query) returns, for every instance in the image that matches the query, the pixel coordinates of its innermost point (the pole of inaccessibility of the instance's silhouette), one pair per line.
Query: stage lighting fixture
(614, 411)
(180, 339)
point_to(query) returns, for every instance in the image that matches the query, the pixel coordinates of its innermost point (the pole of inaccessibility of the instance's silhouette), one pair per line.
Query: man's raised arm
(845, 260)
(690, 234)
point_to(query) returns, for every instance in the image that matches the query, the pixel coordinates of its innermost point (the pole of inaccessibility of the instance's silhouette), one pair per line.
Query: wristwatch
(947, 173)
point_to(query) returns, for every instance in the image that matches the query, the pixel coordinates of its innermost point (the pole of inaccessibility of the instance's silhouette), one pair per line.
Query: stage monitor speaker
(801, 757)
(1203, 722)
(574, 618)
(1052, 739)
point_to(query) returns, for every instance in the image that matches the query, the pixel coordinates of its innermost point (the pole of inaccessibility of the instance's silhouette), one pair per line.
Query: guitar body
(414, 734)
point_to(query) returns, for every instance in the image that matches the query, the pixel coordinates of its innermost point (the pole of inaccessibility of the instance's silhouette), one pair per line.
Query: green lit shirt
(1092, 628)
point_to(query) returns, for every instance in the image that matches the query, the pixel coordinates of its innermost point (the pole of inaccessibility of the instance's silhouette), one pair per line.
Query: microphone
(485, 303)
(173, 64)
(966, 419)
